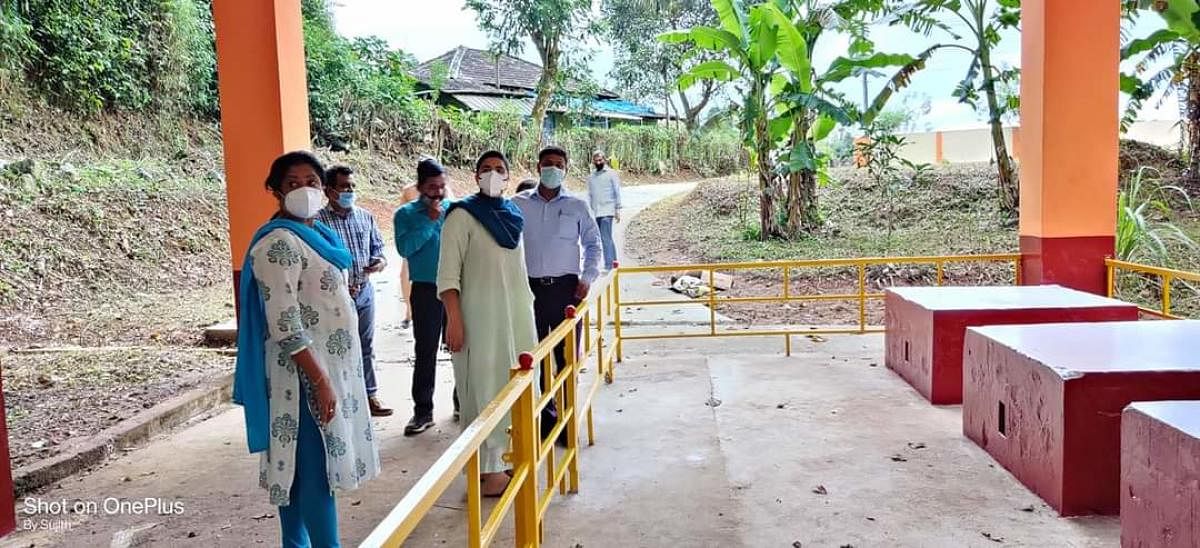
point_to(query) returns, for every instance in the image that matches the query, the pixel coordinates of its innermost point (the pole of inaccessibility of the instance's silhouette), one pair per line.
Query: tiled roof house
(481, 81)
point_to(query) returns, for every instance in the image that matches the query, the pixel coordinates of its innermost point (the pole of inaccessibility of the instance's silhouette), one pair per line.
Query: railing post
(712, 301)
(940, 272)
(474, 503)
(570, 393)
(1111, 278)
(524, 439)
(862, 297)
(617, 312)
(601, 366)
(1166, 294)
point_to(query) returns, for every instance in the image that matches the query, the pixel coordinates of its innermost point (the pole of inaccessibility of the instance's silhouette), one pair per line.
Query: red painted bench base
(925, 326)
(1045, 400)
(8, 513)
(1160, 475)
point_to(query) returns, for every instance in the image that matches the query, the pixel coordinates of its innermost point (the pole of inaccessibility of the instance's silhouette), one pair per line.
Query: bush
(16, 47)
(359, 90)
(463, 135)
(94, 56)
(656, 149)
(631, 148)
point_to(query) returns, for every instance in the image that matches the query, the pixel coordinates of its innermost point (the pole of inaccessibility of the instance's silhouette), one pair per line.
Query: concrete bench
(1045, 400)
(1160, 475)
(925, 326)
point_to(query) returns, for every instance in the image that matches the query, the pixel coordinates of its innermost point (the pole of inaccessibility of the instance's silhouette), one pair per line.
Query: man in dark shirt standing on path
(557, 225)
(357, 229)
(418, 227)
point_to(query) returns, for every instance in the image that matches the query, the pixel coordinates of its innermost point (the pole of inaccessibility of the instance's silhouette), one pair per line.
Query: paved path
(647, 287)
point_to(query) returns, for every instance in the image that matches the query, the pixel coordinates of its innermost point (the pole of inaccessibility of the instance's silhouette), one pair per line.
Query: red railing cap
(570, 312)
(525, 360)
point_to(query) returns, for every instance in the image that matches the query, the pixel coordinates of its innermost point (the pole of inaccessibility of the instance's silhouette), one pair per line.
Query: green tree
(95, 56)
(908, 117)
(984, 83)
(812, 106)
(787, 105)
(648, 70)
(357, 89)
(1166, 64)
(552, 26)
(746, 44)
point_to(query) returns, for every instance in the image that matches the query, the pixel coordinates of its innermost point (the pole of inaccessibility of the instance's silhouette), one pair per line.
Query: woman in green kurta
(489, 307)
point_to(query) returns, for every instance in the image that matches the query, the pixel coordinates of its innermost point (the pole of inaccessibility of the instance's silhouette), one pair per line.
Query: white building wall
(975, 145)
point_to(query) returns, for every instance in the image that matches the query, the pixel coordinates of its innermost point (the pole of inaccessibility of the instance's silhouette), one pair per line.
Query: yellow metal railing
(861, 296)
(1165, 276)
(529, 453)
(592, 335)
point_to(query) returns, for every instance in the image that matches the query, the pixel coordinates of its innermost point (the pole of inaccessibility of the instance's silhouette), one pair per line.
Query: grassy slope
(951, 213)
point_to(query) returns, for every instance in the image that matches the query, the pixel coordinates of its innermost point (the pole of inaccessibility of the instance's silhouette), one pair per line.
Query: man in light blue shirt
(604, 195)
(557, 226)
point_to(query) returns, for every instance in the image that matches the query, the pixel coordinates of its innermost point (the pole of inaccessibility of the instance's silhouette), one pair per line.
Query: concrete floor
(699, 443)
(728, 443)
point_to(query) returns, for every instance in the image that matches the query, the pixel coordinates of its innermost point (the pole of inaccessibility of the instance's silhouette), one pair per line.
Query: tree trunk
(545, 90)
(803, 213)
(769, 226)
(693, 112)
(1008, 190)
(1192, 68)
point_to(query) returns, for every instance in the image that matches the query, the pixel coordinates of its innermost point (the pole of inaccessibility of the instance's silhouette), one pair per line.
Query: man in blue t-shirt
(418, 226)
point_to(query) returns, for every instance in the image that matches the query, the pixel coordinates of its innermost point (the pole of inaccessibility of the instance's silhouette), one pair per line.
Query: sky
(428, 28)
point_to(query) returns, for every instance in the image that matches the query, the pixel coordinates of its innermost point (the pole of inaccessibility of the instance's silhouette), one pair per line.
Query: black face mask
(600, 166)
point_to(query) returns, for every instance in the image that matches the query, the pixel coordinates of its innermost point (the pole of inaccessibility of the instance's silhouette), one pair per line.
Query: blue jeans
(310, 518)
(606, 239)
(365, 303)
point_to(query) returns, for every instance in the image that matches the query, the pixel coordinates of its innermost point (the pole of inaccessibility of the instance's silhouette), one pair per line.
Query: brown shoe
(377, 409)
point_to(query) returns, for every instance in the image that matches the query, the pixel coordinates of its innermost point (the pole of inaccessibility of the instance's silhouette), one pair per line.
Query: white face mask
(552, 177)
(304, 203)
(492, 183)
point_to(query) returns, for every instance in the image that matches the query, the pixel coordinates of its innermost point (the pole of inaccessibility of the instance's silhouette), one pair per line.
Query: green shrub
(656, 149)
(94, 56)
(358, 90)
(1144, 231)
(16, 47)
(463, 135)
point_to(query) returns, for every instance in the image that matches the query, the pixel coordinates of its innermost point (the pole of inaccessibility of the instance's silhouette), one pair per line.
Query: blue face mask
(552, 177)
(346, 199)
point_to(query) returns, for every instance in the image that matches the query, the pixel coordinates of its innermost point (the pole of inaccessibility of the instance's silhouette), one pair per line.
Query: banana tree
(810, 105)
(1166, 63)
(745, 43)
(983, 76)
(767, 50)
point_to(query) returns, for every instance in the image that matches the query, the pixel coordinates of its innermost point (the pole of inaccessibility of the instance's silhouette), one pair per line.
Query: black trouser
(552, 296)
(428, 320)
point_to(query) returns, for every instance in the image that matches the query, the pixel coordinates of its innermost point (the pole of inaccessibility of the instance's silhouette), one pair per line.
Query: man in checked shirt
(357, 229)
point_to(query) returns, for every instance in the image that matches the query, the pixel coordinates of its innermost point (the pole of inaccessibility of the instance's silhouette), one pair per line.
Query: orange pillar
(938, 155)
(264, 105)
(1068, 144)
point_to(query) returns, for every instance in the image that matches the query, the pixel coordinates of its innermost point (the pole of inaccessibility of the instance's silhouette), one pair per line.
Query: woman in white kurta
(319, 428)
(489, 307)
